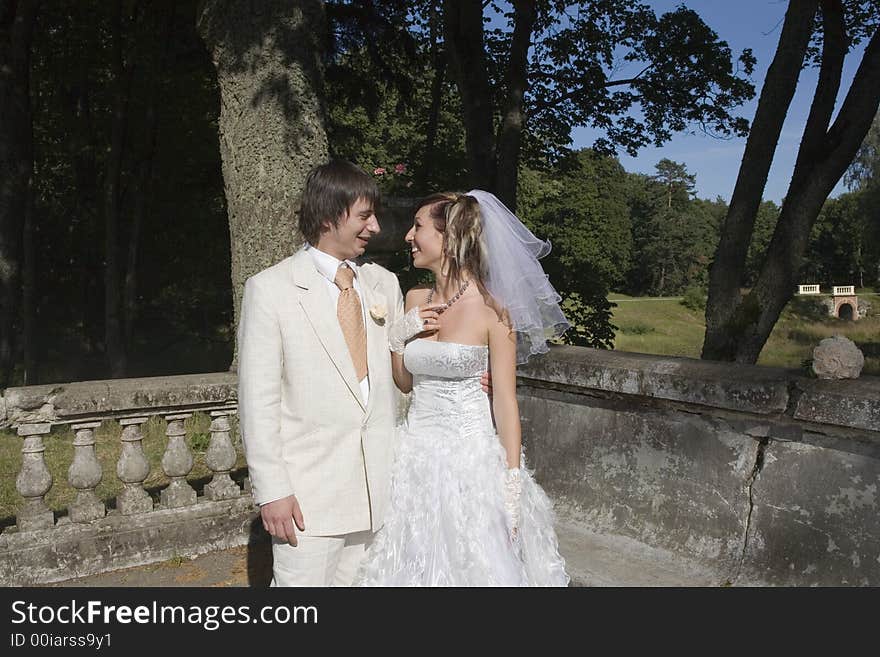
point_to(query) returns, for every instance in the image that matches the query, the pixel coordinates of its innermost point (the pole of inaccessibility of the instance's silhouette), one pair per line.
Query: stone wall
(762, 474)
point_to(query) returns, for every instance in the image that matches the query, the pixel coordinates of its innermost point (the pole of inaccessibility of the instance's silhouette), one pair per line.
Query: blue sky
(754, 24)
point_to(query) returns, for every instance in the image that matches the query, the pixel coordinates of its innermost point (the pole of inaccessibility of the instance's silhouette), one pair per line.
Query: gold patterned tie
(351, 320)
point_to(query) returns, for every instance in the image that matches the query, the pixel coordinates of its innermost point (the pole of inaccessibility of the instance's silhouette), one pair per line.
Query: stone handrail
(34, 410)
(763, 473)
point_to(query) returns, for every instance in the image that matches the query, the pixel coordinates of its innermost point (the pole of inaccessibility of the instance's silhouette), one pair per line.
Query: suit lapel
(320, 313)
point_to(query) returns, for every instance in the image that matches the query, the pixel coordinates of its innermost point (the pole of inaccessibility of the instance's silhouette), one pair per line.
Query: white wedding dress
(447, 524)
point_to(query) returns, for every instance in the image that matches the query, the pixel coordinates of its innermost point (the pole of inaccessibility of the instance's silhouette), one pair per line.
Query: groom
(317, 402)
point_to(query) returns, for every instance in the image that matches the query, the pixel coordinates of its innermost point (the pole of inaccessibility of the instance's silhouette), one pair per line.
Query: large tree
(268, 61)
(553, 69)
(581, 207)
(738, 324)
(673, 234)
(16, 161)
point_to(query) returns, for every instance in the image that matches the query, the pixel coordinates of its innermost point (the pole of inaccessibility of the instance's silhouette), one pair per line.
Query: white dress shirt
(327, 265)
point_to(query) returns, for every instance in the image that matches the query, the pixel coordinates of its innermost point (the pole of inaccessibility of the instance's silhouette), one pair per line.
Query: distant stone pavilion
(843, 302)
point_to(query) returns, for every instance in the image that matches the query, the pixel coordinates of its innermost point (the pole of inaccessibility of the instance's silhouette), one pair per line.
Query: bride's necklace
(445, 306)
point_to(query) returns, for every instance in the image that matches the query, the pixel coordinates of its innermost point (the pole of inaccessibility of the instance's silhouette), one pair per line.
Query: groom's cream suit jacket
(305, 427)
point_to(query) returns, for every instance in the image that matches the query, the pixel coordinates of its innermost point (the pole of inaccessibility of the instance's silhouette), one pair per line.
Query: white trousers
(319, 560)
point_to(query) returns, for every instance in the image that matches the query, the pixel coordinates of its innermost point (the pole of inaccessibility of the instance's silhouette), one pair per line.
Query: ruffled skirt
(447, 524)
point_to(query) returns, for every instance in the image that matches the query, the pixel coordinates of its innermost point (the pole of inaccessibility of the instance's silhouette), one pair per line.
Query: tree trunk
(513, 118)
(728, 268)
(114, 344)
(84, 213)
(143, 188)
(16, 163)
(267, 57)
(861, 269)
(141, 195)
(28, 293)
(463, 26)
(824, 155)
(29, 331)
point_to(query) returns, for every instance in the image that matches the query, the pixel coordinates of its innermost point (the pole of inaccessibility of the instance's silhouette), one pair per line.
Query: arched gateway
(843, 302)
(846, 303)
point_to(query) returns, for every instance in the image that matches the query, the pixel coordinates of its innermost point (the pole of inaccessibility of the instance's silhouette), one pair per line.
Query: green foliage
(674, 179)
(379, 82)
(394, 135)
(578, 50)
(580, 206)
(200, 441)
(809, 308)
(762, 233)
(694, 298)
(674, 236)
(636, 328)
(590, 318)
(843, 247)
(385, 59)
(184, 301)
(865, 168)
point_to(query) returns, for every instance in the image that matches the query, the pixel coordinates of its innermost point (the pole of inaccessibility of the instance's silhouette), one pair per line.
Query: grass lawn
(668, 328)
(657, 327)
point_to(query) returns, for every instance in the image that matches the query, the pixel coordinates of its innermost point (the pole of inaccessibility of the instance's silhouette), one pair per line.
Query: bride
(464, 510)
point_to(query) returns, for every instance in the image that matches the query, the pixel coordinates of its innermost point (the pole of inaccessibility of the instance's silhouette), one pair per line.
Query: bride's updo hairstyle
(457, 216)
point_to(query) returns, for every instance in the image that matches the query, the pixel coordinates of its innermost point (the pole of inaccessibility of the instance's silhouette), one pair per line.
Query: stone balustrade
(842, 290)
(808, 289)
(45, 545)
(762, 475)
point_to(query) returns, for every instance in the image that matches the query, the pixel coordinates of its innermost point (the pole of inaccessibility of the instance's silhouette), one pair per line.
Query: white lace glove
(512, 493)
(404, 328)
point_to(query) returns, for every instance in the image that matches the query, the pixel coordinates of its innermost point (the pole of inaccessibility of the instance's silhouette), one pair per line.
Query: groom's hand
(486, 382)
(279, 516)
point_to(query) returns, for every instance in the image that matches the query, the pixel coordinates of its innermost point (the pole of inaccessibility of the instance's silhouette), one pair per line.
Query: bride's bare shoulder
(416, 295)
(493, 311)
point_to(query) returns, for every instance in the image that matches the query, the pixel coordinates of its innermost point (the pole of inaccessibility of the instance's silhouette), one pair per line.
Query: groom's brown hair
(331, 189)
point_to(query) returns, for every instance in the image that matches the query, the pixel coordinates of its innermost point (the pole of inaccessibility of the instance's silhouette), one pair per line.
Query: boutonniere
(379, 312)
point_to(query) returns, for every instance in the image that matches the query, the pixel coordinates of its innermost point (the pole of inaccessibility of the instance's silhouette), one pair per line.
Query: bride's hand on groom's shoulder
(278, 518)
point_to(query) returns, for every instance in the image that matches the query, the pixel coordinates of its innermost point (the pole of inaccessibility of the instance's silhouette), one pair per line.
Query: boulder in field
(837, 357)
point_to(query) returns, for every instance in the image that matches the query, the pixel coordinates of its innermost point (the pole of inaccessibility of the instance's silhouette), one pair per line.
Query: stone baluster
(132, 468)
(177, 462)
(84, 474)
(246, 487)
(221, 458)
(34, 480)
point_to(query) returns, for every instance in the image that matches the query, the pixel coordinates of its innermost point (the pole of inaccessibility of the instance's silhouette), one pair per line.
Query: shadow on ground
(244, 566)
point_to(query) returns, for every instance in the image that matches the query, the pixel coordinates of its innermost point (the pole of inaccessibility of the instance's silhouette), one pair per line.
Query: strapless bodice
(446, 383)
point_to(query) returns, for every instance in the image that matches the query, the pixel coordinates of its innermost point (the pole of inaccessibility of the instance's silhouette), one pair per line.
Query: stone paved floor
(248, 565)
(591, 560)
